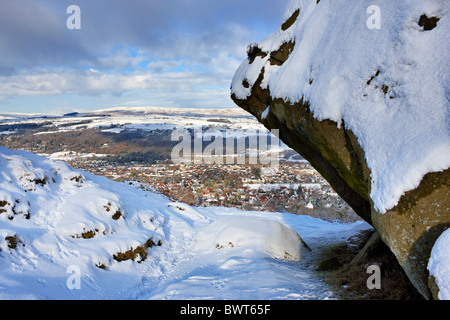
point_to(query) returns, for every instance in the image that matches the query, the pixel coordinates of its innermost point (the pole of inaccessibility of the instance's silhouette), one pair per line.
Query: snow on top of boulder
(253, 235)
(390, 86)
(439, 264)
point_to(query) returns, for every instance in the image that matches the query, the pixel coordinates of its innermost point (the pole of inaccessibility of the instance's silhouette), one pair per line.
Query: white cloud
(177, 88)
(170, 52)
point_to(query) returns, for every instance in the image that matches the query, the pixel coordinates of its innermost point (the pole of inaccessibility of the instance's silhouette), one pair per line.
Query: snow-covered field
(139, 118)
(63, 232)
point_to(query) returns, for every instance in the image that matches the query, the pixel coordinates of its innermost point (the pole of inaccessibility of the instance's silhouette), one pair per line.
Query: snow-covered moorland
(68, 234)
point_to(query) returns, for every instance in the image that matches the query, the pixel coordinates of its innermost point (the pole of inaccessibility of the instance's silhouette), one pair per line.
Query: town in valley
(135, 146)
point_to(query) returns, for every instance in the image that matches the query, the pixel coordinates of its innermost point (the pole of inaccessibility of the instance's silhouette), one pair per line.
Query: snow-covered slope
(53, 217)
(389, 85)
(67, 234)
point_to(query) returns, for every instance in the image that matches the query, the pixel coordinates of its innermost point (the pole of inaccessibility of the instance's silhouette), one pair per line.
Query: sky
(165, 53)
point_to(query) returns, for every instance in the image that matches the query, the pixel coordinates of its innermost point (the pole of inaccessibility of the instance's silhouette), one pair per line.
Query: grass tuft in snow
(138, 254)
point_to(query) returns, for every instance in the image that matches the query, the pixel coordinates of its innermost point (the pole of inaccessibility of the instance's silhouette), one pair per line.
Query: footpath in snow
(67, 234)
(231, 254)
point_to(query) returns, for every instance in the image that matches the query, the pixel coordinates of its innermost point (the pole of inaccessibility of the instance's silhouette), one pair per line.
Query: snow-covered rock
(361, 90)
(439, 265)
(253, 235)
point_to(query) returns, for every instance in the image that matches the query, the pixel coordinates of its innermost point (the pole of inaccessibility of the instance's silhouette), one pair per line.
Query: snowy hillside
(388, 84)
(67, 234)
(142, 118)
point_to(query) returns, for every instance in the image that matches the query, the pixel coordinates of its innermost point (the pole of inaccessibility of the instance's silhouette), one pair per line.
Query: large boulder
(362, 93)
